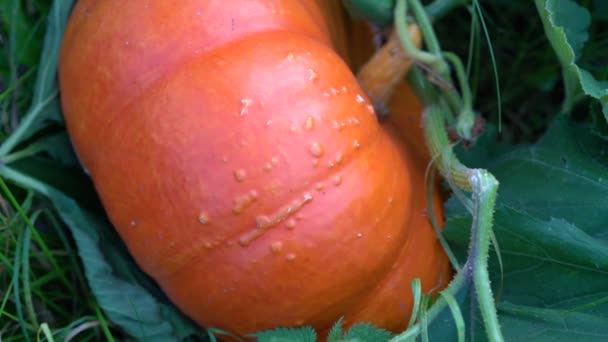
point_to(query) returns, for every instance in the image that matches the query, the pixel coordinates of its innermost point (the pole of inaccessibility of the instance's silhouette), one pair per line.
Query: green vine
(441, 103)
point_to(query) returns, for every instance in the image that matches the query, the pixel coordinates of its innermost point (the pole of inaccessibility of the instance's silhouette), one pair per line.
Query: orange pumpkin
(243, 165)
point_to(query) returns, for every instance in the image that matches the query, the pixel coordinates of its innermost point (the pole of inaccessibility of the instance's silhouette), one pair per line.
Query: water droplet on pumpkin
(360, 99)
(359, 235)
(336, 125)
(319, 186)
(267, 167)
(370, 108)
(316, 149)
(290, 224)
(337, 180)
(268, 123)
(239, 175)
(265, 222)
(290, 257)
(203, 218)
(274, 161)
(335, 91)
(274, 186)
(326, 94)
(344, 89)
(312, 75)
(244, 201)
(133, 223)
(339, 158)
(243, 241)
(245, 103)
(262, 221)
(309, 123)
(356, 121)
(276, 247)
(307, 198)
(356, 144)
(208, 245)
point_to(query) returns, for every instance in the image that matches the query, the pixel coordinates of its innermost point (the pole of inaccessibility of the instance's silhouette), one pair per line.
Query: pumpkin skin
(242, 164)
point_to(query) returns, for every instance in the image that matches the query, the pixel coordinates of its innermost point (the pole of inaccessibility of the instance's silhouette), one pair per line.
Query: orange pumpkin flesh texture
(242, 164)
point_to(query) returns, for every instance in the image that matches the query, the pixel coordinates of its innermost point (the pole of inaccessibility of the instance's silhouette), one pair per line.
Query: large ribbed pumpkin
(243, 165)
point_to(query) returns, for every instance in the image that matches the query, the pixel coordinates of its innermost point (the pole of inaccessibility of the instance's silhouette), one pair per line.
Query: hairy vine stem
(482, 184)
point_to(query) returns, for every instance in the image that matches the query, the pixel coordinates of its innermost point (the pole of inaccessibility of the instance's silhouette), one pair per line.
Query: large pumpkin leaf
(550, 225)
(564, 175)
(567, 27)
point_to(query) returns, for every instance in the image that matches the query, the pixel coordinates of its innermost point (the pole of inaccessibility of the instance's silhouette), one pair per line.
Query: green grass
(43, 292)
(42, 278)
(527, 68)
(530, 76)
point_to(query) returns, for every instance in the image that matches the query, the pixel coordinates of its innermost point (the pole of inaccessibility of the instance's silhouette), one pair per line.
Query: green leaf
(70, 179)
(565, 175)
(574, 21)
(600, 9)
(306, 334)
(335, 334)
(366, 332)
(56, 145)
(550, 267)
(360, 332)
(600, 125)
(59, 148)
(45, 104)
(534, 324)
(124, 302)
(25, 33)
(566, 25)
(379, 12)
(127, 296)
(550, 224)
(557, 253)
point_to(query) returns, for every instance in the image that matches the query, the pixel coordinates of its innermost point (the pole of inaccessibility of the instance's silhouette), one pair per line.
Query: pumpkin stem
(387, 67)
